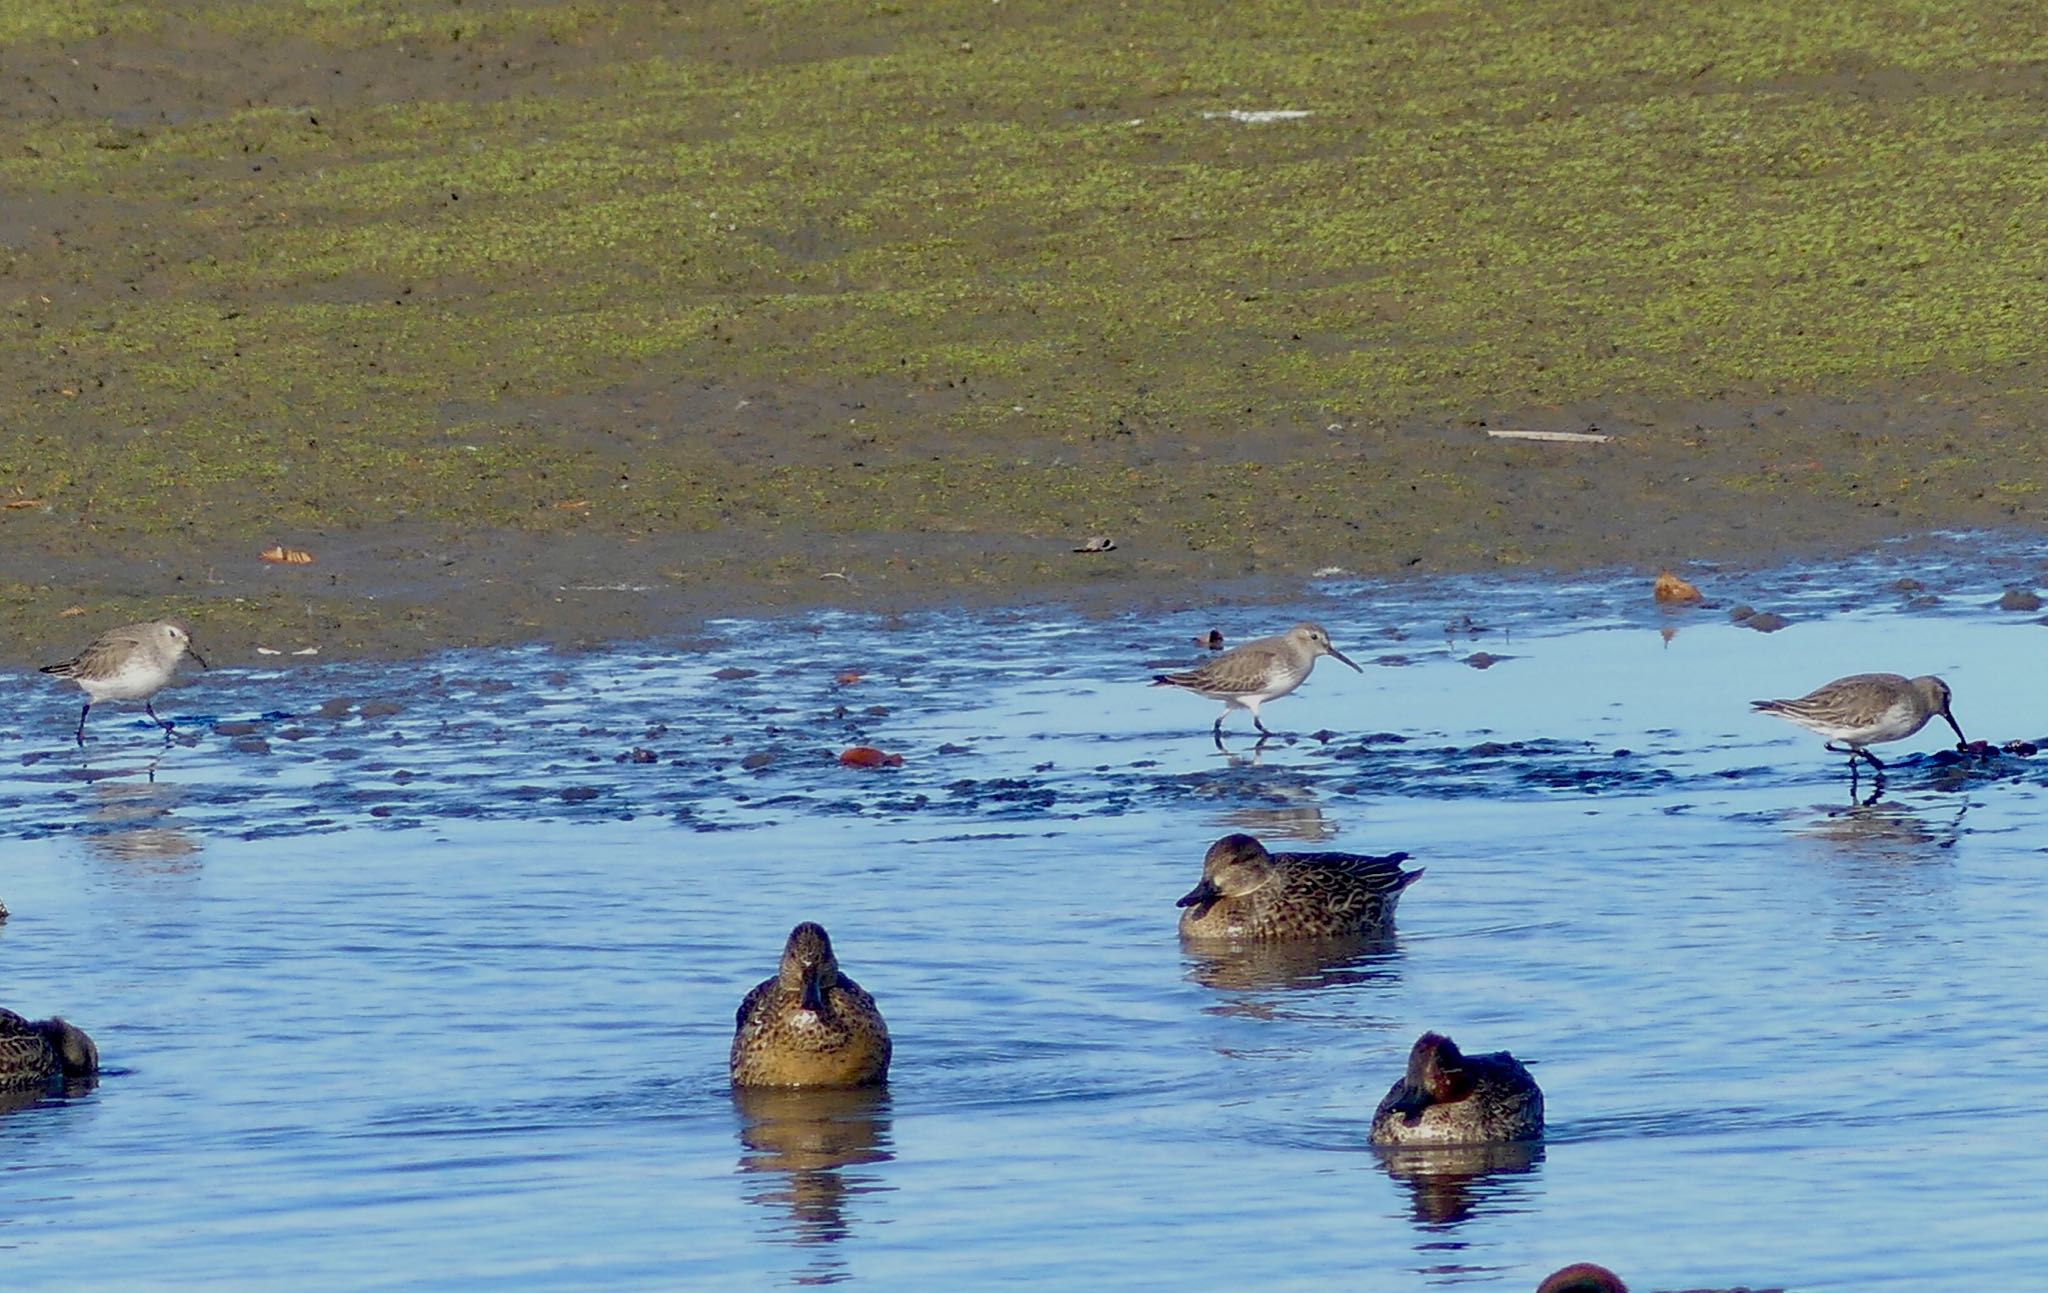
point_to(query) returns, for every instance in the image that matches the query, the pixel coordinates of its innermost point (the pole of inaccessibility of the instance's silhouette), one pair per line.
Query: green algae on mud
(946, 285)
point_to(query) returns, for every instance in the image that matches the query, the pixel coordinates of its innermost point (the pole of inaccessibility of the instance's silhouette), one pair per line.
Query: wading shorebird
(1449, 1098)
(1247, 677)
(810, 1025)
(132, 662)
(1865, 709)
(1248, 893)
(38, 1053)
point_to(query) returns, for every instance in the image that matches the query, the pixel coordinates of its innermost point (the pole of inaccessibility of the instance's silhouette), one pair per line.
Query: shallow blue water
(440, 997)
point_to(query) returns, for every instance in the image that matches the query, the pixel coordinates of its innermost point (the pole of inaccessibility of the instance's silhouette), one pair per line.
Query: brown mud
(571, 324)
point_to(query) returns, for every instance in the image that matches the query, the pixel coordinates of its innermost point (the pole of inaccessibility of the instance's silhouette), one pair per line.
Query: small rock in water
(1483, 659)
(1750, 617)
(337, 708)
(2022, 748)
(379, 709)
(2020, 599)
(757, 761)
(730, 674)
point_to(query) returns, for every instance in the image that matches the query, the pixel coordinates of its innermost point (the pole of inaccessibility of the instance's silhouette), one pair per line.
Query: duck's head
(75, 1051)
(1436, 1075)
(1583, 1277)
(1234, 866)
(808, 966)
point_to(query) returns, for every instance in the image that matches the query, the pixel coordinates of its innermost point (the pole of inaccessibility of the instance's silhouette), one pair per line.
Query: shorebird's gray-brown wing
(104, 657)
(1238, 671)
(1855, 701)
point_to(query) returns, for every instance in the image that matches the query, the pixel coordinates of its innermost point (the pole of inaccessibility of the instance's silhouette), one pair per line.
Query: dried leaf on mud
(1671, 590)
(283, 556)
(867, 756)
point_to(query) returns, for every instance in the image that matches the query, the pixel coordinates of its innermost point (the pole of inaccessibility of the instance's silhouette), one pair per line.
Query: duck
(809, 1025)
(1248, 893)
(43, 1052)
(1450, 1098)
(1582, 1277)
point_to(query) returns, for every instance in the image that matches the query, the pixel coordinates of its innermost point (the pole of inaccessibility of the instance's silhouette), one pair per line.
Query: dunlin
(810, 1025)
(40, 1052)
(1247, 677)
(132, 662)
(1249, 893)
(1866, 708)
(1449, 1098)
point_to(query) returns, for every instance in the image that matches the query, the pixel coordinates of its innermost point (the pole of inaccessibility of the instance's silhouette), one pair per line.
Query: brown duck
(1450, 1098)
(41, 1052)
(1248, 893)
(810, 1025)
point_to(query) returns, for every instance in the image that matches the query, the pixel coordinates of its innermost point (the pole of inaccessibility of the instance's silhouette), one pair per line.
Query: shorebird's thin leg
(1217, 731)
(81, 721)
(1261, 726)
(1875, 762)
(149, 707)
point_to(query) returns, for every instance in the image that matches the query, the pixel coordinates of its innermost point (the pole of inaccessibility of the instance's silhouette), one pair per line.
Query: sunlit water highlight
(436, 993)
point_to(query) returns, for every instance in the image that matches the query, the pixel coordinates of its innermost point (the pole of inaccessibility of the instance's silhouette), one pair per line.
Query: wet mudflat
(421, 975)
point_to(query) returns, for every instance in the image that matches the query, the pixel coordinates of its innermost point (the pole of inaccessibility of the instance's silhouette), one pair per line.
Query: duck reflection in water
(1449, 1185)
(1305, 965)
(799, 1144)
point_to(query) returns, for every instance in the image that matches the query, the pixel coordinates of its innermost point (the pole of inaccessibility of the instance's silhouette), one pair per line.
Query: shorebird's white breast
(138, 678)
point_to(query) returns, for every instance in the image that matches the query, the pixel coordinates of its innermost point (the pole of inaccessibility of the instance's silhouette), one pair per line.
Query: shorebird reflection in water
(1247, 677)
(1866, 709)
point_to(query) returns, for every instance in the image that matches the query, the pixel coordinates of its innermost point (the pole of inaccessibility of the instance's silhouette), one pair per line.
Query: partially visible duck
(1583, 1277)
(1450, 1098)
(809, 1025)
(1248, 893)
(42, 1052)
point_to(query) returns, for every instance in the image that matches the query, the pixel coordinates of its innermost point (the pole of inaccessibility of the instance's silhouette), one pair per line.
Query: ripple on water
(433, 969)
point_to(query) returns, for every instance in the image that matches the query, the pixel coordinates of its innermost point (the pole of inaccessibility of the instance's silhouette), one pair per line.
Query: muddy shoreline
(597, 325)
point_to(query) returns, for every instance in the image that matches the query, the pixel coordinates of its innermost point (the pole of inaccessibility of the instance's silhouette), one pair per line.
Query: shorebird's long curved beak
(194, 653)
(1345, 658)
(1960, 738)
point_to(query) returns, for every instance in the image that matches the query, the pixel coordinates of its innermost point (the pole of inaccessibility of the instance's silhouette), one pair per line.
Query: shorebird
(1449, 1098)
(1867, 708)
(1247, 677)
(809, 1025)
(132, 662)
(40, 1052)
(1249, 893)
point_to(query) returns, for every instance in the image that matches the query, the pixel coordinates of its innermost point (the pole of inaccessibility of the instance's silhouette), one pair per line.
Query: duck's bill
(1339, 655)
(814, 989)
(1203, 896)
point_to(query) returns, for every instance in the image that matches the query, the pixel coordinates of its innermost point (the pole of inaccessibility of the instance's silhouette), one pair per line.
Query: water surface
(422, 976)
